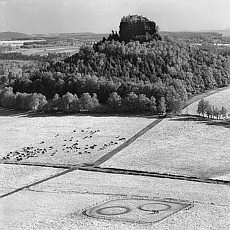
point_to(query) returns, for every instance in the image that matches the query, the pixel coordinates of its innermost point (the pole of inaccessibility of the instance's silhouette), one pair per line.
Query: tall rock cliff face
(134, 27)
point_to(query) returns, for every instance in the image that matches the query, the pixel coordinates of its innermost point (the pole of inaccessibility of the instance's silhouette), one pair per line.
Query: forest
(154, 76)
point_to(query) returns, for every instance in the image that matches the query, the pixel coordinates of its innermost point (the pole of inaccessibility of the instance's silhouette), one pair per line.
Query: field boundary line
(110, 154)
(48, 165)
(40, 181)
(153, 174)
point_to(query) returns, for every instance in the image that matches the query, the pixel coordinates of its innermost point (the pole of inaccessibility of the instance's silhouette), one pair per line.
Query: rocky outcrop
(135, 27)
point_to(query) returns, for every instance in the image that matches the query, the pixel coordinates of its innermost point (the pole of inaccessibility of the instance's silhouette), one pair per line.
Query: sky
(103, 16)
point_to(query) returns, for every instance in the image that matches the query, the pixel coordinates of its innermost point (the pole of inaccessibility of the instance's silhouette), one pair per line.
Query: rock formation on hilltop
(135, 27)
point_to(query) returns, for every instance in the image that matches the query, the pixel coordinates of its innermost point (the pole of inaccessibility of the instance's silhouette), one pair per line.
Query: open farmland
(15, 176)
(218, 99)
(183, 146)
(72, 139)
(44, 51)
(58, 203)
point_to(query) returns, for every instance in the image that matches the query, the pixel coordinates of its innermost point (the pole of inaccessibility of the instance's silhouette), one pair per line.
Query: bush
(21, 101)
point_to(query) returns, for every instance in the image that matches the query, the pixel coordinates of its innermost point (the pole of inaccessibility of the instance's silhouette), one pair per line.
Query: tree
(209, 111)
(85, 102)
(95, 103)
(114, 101)
(152, 105)
(6, 97)
(175, 106)
(143, 102)
(3, 79)
(216, 112)
(19, 101)
(86, 52)
(42, 101)
(202, 107)
(66, 101)
(88, 103)
(223, 111)
(74, 106)
(161, 108)
(32, 101)
(130, 102)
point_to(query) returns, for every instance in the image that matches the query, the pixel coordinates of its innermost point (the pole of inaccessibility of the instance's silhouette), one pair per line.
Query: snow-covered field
(69, 139)
(219, 99)
(59, 203)
(181, 145)
(15, 176)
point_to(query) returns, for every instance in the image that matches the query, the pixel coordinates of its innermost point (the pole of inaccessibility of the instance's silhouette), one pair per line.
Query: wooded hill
(167, 71)
(13, 35)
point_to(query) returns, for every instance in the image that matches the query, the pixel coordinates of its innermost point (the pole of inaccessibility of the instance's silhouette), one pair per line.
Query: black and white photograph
(114, 114)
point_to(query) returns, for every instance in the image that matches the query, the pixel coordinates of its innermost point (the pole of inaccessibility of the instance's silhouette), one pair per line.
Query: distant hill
(80, 36)
(13, 35)
(224, 32)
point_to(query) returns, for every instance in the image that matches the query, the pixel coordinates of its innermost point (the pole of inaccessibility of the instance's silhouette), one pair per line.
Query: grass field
(183, 146)
(73, 139)
(218, 99)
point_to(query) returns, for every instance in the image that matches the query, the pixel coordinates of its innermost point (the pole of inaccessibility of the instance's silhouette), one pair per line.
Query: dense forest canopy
(166, 71)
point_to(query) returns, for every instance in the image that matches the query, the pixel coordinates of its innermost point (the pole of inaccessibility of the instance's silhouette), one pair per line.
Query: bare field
(182, 146)
(219, 99)
(59, 203)
(64, 139)
(15, 176)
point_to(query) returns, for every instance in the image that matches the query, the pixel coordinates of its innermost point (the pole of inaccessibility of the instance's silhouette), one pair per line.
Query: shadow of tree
(223, 123)
(31, 114)
(204, 120)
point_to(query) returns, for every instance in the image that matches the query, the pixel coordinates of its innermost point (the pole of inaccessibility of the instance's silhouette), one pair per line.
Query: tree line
(69, 102)
(21, 101)
(211, 111)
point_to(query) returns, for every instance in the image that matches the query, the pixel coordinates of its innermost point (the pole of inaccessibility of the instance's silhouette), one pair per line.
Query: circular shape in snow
(154, 207)
(113, 210)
